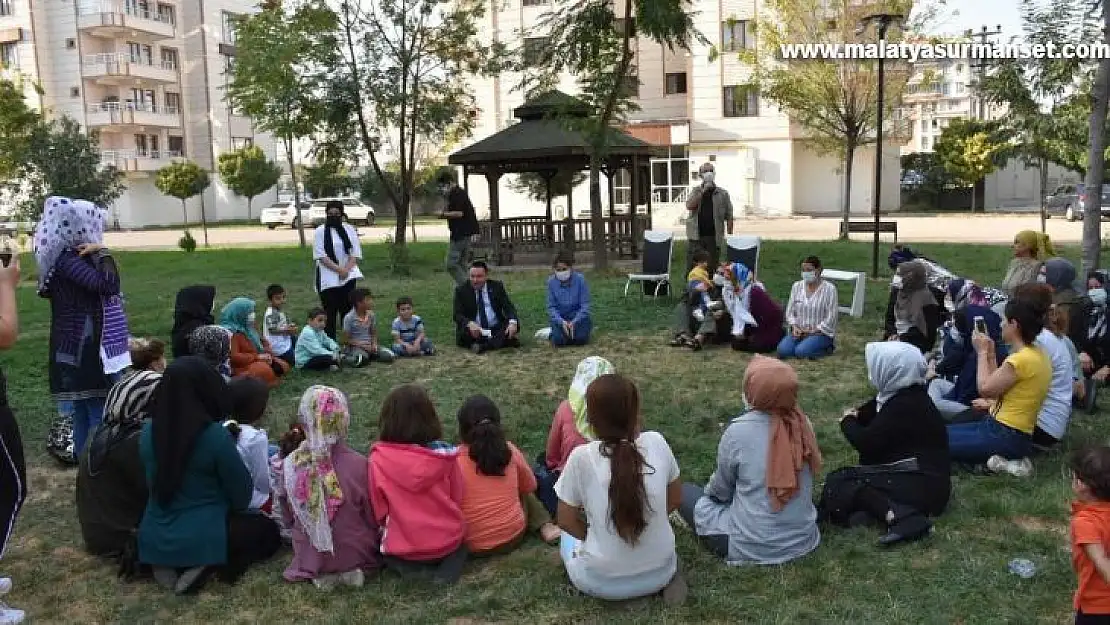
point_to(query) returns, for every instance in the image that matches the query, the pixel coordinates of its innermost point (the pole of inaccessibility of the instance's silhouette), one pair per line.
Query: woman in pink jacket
(416, 488)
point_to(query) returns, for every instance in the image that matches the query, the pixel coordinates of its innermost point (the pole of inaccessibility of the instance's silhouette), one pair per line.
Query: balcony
(121, 69)
(107, 115)
(128, 22)
(133, 161)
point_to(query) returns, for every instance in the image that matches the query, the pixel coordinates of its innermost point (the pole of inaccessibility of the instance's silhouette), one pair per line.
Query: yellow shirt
(1019, 406)
(700, 274)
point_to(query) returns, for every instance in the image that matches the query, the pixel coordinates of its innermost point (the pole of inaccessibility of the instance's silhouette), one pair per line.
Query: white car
(358, 213)
(282, 214)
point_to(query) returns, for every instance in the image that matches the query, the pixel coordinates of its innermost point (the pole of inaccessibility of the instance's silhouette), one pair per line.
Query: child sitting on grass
(275, 324)
(316, 350)
(698, 284)
(147, 354)
(408, 332)
(249, 397)
(360, 327)
(1090, 534)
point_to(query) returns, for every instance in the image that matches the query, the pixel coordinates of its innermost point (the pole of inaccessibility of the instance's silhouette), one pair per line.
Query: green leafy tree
(969, 150)
(281, 60)
(593, 41)
(327, 178)
(17, 121)
(248, 173)
(183, 180)
(1096, 161)
(930, 179)
(62, 159)
(534, 185)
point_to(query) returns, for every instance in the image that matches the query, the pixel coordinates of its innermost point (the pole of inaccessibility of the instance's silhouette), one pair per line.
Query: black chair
(744, 249)
(655, 274)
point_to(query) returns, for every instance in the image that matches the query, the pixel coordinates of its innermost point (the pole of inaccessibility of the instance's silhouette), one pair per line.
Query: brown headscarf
(914, 296)
(771, 386)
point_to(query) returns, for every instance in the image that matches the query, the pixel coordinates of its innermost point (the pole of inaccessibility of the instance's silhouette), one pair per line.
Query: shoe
(907, 530)
(698, 316)
(355, 578)
(333, 368)
(476, 348)
(325, 583)
(550, 533)
(10, 616)
(5, 585)
(166, 577)
(676, 590)
(1016, 468)
(191, 580)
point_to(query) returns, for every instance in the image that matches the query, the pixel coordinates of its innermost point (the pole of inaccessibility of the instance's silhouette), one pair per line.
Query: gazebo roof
(541, 140)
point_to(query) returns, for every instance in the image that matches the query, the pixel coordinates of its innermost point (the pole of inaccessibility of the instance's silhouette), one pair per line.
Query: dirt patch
(1038, 524)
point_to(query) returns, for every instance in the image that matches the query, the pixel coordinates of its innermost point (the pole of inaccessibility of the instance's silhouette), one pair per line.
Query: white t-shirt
(1056, 409)
(254, 449)
(329, 279)
(276, 319)
(604, 555)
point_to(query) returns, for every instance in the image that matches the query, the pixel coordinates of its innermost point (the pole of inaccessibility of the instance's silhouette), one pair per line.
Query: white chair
(658, 250)
(859, 289)
(744, 249)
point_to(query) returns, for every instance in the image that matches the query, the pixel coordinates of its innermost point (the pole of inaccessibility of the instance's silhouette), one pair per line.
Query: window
(238, 143)
(141, 147)
(924, 125)
(176, 146)
(71, 44)
(534, 3)
(75, 92)
(534, 51)
(959, 67)
(9, 55)
(960, 87)
(632, 85)
(229, 64)
(924, 143)
(737, 35)
(740, 101)
(676, 83)
(166, 14)
(142, 100)
(5, 8)
(229, 27)
(154, 146)
(172, 102)
(169, 58)
(142, 54)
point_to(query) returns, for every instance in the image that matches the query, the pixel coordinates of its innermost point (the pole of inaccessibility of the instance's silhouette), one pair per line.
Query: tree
(835, 101)
(403, 78)
(281, 57)
(969, 150)
(925, 177)
(183, 180)
(62, 159)
(247, 172)
(592, 40)
(327, 178)
(17, 121)
(534, 185)
(1092, 212)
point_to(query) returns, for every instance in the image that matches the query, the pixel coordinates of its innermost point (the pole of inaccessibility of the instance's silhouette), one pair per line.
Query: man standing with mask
(462, 223)
(709, 218)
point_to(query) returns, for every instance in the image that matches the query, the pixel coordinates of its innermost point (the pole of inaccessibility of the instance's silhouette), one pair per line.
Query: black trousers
(446, 570)
(496, 340)
(320, 363)
(13, 475)
(251, 538)
(1091, 619)
(716, 544)
(849, 490)
(336, 302)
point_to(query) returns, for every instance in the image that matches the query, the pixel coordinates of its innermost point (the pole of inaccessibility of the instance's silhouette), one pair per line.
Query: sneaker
(325, 582)
(166, 577)
(476, 348)
(10, 616)
(333, 368)
(355, 578)
(698, 315)
(1016, 468)
(5, 585)
(191, 580)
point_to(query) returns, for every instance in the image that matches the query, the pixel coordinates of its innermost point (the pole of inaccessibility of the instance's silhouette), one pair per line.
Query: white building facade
(699, 110)
(149, 76)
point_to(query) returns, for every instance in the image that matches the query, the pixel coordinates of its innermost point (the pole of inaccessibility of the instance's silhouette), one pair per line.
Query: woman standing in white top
(336, 250)
(626, 482)
(811, 315)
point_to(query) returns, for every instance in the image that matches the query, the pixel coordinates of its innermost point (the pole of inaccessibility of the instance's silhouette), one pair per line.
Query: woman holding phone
(956, 373)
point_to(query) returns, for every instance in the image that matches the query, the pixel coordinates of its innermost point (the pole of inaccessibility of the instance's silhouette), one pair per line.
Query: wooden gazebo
(544, 142)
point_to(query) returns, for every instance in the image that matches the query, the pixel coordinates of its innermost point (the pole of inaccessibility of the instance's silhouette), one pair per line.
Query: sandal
(680, 340)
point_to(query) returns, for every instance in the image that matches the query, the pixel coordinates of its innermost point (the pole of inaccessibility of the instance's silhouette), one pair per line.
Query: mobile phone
(980, 325)
(6, 258)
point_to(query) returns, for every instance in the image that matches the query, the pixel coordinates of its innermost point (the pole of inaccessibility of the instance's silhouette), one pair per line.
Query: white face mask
(562, 276)
(719, 280)
(809, 276)
(1042, 278)
(1098, 296)
(250, 318)
(707, 177)
(896, 281)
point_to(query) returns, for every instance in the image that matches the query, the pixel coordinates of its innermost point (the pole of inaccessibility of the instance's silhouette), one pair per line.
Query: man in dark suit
(485, 318)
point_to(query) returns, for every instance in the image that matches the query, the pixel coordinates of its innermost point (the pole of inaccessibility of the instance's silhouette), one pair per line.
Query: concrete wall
(819, 181)
(1017, 186)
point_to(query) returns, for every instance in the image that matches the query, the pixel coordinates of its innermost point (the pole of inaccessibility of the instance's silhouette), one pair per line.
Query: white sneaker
(353, 578)
(996, 464)
(5, 585)
(325, 582)
(1016, 468)
(698, 315)
(11, 616)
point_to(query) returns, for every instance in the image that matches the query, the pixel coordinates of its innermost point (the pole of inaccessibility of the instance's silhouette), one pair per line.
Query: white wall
(819, 181)
(1018, 186)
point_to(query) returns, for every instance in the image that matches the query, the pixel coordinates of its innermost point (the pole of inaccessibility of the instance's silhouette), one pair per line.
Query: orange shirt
(1090, 524)
(491, 503)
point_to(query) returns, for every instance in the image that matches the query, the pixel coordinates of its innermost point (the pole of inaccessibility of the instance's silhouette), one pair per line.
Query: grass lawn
(959, 575)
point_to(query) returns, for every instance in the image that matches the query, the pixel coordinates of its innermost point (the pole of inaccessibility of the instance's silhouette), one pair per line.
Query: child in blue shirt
(408, 332)
(316, 350)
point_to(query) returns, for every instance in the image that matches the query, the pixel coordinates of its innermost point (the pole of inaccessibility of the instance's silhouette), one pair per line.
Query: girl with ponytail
(626, 482)
(499, 503)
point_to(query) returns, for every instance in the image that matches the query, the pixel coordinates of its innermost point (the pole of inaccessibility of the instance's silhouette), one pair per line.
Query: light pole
(884, 21)
(979, 110)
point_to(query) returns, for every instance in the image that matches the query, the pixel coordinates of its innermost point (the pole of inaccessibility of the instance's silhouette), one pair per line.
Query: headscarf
(307, 477)
(341, 230)
(914, 296)
(588, 370)
(128, 403)
(191, 396)
(234, 317)
(1060, 274)
(964, 292)
(1096, 313)
(192, 309)
(771, 386)
(738, 298)
(1040, 246)
(211, 343)
(893, 366)
(65, 225)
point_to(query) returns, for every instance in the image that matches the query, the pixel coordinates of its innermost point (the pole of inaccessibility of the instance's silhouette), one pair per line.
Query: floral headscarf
(307, 477)
(65, 224)
(588, 370)
(234, 318)
(213, 344)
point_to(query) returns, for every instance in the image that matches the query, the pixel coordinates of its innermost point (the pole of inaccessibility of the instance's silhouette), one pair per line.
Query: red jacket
(416, 494)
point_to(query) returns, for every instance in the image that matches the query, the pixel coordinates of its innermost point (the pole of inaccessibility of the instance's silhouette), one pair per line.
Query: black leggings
(320, 363)
(251, 538)
(717, 544)
(336, 302)
(13, 474)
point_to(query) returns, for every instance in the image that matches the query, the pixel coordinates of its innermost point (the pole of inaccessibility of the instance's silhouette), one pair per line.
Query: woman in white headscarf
(903, 475)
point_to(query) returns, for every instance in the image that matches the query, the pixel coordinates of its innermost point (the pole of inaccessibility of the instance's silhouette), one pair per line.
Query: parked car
(1068, 200)
(358, 213)
(282, 214)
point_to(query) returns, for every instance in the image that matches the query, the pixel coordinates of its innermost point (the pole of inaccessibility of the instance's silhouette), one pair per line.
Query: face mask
(809, 276)
(1042, 278)
(719, 280)
(250, 318)
(562, 276)
(949, 306)
(334, 220)
(1098, 296)
(707, 177)
(896, 282)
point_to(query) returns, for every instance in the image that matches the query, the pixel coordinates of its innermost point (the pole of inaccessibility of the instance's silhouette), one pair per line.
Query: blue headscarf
(234, 318)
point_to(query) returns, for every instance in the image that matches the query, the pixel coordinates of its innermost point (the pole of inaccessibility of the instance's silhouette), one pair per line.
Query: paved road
(959, 229)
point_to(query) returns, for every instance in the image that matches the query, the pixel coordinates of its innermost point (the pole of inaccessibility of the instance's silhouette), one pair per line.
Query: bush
(187, 242)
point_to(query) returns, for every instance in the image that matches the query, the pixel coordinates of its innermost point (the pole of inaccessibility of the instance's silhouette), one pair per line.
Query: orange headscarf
(771, 386)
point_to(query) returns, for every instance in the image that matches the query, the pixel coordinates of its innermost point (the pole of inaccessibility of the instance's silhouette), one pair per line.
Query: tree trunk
(974, 188)
(249, 201)
(203, 219)
(846, 206)
(1096, 159)
(296, 191)
(1043, 185)
(597, 220)
(184, 214)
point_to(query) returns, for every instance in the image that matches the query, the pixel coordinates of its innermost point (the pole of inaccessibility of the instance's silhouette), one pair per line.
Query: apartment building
(696, 110)
(149, 77)
(937, 92)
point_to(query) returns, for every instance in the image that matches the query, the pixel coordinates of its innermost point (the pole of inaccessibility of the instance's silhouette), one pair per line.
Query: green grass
(959, 575)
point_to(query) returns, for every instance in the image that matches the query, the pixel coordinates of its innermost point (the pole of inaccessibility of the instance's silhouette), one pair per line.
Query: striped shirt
(817, 310)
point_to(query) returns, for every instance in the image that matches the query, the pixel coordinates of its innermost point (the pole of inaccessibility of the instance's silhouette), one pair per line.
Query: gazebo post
(612, 185)
(466, 180)
(548, 176)
(633, 203)
(571, 235)
(492, 178)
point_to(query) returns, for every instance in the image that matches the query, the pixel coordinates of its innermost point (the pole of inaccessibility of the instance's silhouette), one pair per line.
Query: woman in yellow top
(1031, 249)
(1017, 389)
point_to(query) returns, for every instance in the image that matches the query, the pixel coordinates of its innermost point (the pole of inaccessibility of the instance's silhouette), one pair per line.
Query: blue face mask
(1098, 296)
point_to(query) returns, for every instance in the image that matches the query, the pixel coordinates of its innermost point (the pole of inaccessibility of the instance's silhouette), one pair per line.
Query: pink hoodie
(416, 494)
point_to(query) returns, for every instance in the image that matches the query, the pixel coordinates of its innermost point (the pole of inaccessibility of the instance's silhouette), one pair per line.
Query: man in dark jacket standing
(709, 217)
(485, 318)
(463, 224)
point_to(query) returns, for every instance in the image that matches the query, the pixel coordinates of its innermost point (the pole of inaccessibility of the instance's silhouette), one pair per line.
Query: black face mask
(334, 221)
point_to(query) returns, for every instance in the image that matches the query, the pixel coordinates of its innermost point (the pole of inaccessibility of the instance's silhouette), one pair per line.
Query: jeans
(427, 348)
(455, 263)
(581, 336)
(811, 347)
(948, 408)
(87, 415)
(978, 441)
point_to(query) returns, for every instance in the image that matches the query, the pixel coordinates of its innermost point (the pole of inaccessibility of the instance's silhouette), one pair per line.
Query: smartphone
(980, 325)
(6, 258)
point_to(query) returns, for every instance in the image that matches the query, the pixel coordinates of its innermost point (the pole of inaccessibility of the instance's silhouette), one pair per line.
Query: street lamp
(884, 21)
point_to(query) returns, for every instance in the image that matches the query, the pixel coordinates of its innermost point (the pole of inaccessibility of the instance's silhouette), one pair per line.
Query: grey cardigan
(736, 503)
(722, 214)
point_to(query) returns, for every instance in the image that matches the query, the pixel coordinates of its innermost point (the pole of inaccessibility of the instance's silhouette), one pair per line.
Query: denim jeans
(581, 336)
(811, 347)
(978, 441)
(455, 262)
(87, 415)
